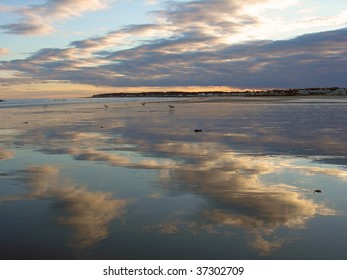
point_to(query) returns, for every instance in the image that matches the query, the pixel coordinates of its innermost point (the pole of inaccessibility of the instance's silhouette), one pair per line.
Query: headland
(330, 91)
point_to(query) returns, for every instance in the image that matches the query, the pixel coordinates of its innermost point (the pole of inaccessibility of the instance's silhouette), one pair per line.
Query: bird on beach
(105, 106)
(171, 106)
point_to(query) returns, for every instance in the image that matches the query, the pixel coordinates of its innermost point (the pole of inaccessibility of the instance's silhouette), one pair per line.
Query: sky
(72, 48)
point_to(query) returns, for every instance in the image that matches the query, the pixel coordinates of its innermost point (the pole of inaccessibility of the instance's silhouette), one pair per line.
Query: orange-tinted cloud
(38, 19)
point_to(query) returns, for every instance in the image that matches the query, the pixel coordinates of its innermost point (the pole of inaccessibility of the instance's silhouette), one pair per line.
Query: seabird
(171, 106)
(105, 106)
(317, 191)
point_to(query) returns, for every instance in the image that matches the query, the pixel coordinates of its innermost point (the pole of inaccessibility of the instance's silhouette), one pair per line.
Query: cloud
(61, 9)
(254, 64)
(194, 43)
(312, 60)
(28, 26)
(200, 19)
(4, 51)
(39, 19)
(151, 2)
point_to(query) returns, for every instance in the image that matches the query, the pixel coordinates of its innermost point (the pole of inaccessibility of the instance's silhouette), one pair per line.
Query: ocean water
(79, 180)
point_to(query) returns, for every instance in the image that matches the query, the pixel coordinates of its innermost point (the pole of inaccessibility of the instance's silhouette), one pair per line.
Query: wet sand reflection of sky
(137, 170)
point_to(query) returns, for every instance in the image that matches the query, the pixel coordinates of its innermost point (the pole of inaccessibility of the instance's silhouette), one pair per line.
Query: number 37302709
(223, 270)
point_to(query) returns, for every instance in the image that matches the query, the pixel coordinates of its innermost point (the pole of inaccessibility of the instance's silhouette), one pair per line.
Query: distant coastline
(331, 91)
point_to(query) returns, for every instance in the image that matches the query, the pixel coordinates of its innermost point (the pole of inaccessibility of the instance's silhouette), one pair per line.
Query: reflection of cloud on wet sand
(95, 155)
(170, 227)
(313, 170)
(4, 154)
(116, 159)
(294, 214)
(232, 182)
(187, 162)
(87, 213)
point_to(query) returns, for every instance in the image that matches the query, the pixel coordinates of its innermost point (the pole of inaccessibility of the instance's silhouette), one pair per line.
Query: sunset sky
(70, 48)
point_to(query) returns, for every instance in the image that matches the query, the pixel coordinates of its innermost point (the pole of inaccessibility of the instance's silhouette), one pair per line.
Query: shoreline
(305, 92)
(13, 103)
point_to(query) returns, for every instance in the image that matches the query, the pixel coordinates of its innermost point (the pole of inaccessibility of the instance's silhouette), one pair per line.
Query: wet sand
(204, 178)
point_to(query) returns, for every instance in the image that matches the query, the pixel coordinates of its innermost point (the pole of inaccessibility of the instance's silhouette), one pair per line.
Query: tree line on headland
(331, 91)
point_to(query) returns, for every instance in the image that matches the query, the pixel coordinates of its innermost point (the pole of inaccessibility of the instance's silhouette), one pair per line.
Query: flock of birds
(143, 103)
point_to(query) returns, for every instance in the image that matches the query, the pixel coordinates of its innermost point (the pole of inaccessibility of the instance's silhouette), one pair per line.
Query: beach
(174, 178)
